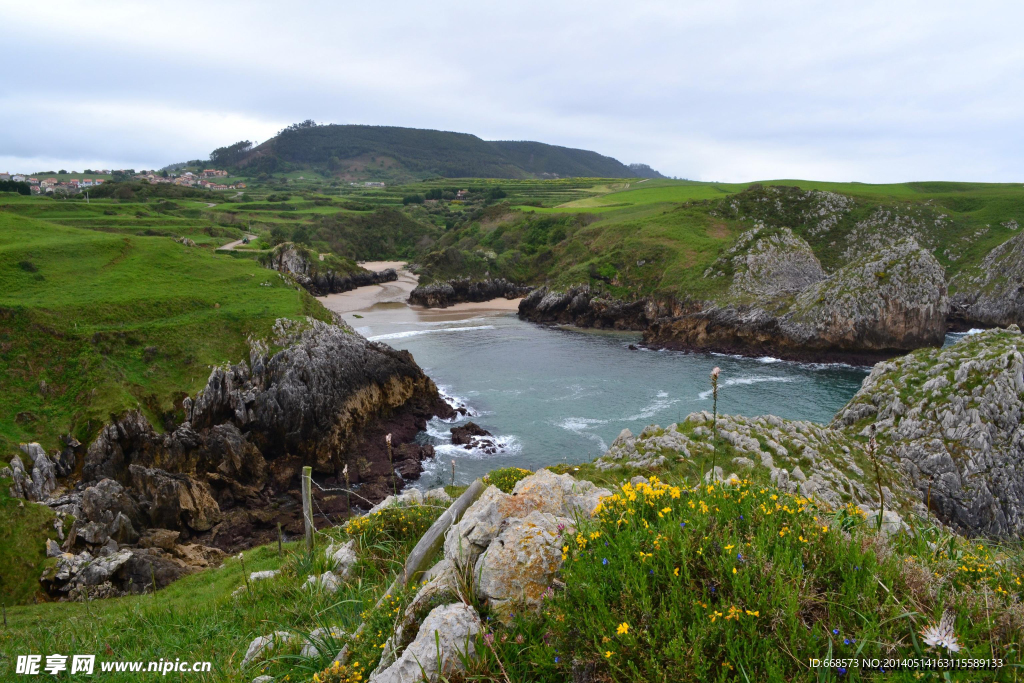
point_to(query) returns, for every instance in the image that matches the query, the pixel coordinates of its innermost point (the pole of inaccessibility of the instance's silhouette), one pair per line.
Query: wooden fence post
(307, 506)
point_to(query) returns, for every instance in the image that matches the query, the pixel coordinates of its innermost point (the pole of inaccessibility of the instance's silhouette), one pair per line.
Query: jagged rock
(321, 276)
(445, 638)
(463, 435)
(585, 308)
(519, 564)
(38, 484)
(174, 500)
(263, 679)
(324, 399)
(558, 495)
(52, 548)
(449, 292)
(993, 292)
(262, 646)
(960, 441)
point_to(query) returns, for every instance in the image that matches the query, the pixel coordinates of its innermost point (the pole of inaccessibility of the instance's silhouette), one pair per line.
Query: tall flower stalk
(714, 421)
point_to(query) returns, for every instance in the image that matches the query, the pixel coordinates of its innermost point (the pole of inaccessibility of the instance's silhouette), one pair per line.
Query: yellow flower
(729, 547)
(734, 570)
(607, 654)
(676, 572)
(622, 629)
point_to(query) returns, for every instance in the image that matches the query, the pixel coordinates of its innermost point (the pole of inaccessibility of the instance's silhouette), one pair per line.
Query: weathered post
(307, 506)
(280, 551)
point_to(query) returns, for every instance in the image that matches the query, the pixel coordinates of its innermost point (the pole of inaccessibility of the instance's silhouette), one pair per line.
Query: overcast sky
(718, 90)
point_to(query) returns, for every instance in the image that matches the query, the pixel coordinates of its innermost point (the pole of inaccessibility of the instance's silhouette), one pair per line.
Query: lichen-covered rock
(952, 418)
(445, 638)
(558, 495)
(520, 563)
(993, 293)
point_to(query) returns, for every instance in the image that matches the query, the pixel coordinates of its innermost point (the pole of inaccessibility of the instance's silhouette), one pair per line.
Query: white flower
(942, 635)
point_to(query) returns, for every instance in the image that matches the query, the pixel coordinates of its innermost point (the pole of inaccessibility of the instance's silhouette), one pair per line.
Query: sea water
(561, 395)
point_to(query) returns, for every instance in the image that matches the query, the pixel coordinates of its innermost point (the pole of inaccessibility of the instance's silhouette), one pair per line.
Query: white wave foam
(769, 360)
(456, 402)
(581, 425)
(653, 408)
(507, 445)
(417, 333)
(744, 381)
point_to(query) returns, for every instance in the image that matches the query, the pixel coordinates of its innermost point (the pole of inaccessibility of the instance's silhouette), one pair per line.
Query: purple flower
(835, 632)
(682, 525)
(841, 671)
(604, 561)
(557, 659)
(846, 641)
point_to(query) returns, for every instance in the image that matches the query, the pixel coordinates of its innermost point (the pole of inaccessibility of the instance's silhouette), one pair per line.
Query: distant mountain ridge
(387, 152)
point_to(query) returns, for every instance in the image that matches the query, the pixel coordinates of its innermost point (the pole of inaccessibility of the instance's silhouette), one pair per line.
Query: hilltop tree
(230, 155)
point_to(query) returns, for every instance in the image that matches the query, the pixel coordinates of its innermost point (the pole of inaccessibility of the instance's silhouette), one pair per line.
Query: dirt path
(231, 246)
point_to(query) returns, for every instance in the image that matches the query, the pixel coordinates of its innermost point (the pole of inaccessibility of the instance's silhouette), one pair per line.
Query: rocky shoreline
(227, 475)
(462, 290)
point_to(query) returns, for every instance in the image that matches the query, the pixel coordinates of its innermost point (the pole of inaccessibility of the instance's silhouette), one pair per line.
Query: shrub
(506, 478)
(676, 584)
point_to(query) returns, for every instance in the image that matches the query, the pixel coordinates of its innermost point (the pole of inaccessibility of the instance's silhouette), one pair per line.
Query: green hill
(401, 154)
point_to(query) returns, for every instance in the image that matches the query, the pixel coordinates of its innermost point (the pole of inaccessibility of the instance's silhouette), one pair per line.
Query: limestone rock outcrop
(584, 307)
(993, 293)
(883, 304)
(324, 275)
(446, 637)
(450, 292)
(952, 418)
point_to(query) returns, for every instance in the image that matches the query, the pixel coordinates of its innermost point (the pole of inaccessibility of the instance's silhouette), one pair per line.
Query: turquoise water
(554, 395)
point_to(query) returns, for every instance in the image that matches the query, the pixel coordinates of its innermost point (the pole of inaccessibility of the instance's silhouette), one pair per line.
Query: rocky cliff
(584, 307)
(952, 418)
(323, 274)
(229, 472)
(444, 294)
(993, 293)
(889, 302)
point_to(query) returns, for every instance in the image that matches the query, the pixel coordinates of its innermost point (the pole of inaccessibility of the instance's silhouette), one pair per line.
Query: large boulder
(520, 563)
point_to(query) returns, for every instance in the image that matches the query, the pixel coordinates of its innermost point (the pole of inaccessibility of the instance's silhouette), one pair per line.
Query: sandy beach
(386, 295)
